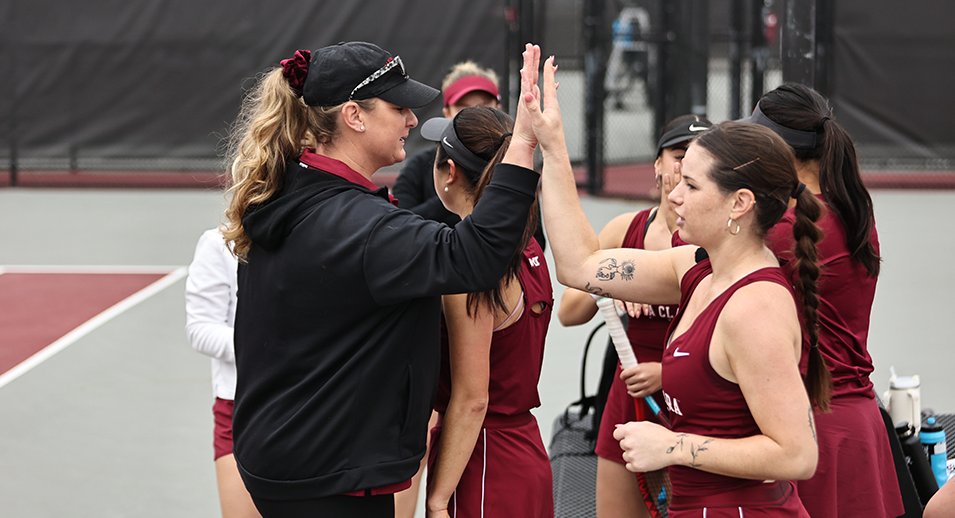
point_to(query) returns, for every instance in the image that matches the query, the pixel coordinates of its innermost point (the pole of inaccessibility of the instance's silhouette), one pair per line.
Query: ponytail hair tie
(295, 70)
(797, 191)
(504, 136)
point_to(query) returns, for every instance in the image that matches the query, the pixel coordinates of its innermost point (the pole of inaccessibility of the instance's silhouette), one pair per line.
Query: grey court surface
(119, 424)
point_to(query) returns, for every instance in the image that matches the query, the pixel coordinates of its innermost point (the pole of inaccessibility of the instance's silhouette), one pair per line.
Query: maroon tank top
(517, 351)
(846, 292)
(701, 401)
(648, 333)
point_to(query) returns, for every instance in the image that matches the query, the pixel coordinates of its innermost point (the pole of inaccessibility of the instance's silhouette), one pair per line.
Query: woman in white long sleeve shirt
(210, 315)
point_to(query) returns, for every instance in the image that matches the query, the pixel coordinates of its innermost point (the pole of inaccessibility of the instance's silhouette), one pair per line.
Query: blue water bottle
(932, 438)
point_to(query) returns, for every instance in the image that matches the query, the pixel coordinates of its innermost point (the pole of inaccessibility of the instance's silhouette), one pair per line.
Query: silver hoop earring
(729, 226)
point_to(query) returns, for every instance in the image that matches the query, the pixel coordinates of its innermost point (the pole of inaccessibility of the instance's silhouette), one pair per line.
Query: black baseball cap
(357, 70)
(688, 130)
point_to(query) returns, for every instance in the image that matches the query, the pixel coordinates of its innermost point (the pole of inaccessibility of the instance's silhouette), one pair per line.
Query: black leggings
(338, 506)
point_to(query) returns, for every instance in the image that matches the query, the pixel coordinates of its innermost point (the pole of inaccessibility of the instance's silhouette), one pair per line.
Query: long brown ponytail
(801, 108)
(485, 132)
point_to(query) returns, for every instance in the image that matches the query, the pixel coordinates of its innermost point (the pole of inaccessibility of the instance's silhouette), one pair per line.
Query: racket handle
(617, 333)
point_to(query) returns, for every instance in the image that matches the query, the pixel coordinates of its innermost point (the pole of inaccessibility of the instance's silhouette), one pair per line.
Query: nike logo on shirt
(678, 352)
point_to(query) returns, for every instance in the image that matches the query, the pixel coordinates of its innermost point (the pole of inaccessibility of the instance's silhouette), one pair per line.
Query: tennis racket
(654, 485)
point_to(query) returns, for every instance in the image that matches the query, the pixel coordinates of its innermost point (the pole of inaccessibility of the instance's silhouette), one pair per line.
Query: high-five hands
(541, 105)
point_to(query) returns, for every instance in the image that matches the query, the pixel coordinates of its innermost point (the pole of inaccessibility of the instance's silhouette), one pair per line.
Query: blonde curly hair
(273, 125)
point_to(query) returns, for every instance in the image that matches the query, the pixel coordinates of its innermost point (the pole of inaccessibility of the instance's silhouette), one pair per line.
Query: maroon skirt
(222, 429)
(508, 473)
(856, 473)
(771, 500)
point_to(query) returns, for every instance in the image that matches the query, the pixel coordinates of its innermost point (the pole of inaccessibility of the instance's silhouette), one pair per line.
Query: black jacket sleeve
(414, 189)
(407, 257)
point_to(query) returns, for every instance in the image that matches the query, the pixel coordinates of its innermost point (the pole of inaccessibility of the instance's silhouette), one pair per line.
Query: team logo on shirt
(673, 404)
(534, 261)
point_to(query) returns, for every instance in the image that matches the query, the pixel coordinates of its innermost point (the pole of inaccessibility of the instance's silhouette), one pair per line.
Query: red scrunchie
(295, 69)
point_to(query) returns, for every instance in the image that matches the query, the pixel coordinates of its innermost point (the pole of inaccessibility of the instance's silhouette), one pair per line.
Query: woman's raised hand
(523, 139)
(546, 120)
(523, 129)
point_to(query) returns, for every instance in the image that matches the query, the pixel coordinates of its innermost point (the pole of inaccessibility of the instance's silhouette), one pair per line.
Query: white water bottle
(904, 399)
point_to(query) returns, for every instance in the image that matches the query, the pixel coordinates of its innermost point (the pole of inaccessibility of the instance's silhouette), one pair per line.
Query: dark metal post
(699, 63)
(759, 53)
(825, 23)
(13, 79)
(686, 66)
(595, 69)
(736, 58)
(510, 46)
(799, 42)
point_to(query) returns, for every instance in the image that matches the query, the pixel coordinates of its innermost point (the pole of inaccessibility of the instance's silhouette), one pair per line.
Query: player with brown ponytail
(854, 454)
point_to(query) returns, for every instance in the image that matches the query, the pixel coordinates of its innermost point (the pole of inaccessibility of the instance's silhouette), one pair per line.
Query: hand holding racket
(654, 484)
(624, 351)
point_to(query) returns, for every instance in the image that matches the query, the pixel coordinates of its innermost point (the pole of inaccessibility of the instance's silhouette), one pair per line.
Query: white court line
(86, 327)
(104, 269)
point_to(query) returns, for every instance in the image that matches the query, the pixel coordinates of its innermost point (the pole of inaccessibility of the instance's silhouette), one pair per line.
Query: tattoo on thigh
(610, 268)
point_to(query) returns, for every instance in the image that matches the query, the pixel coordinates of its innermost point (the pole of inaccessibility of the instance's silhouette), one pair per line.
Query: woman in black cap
(487, 457)
(854, 454)
(618, 491)
(337, 324)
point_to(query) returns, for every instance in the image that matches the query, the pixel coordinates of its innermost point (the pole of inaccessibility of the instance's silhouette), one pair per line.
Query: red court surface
(36, 309)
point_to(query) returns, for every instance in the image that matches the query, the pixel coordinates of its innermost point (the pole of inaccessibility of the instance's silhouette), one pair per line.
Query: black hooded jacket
(337, 327)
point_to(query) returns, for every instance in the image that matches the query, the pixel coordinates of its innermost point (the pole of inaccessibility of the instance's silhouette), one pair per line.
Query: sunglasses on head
(392, 63)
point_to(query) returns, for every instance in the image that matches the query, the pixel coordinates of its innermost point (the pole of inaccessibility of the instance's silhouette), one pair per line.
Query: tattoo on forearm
(596, 290)
(695, 449)
(695, 452)
(678, 444)
(812, 426)
(609, 269)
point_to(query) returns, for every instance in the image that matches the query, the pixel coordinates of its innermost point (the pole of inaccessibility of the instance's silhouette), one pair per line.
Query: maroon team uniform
(703, 402)
(647, 335)
(509, 472)
(855, 475)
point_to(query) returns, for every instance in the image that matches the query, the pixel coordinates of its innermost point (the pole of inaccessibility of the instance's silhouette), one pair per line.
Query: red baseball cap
(468, 84)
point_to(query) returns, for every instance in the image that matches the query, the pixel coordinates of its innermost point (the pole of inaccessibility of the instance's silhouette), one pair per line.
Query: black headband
(798, 139)
(460, 153)
(441, 130)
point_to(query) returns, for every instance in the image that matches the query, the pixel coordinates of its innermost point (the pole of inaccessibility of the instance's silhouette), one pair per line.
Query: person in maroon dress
(487, 457)
(854, 454)
(742, 419)
(618, 493)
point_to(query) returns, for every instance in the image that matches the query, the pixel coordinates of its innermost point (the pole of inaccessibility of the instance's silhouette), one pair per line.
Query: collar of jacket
(312, 160)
